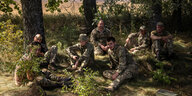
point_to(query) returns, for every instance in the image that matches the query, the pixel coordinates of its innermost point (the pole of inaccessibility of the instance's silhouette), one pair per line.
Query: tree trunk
(177, 19)
(157, 10)
(89, 11)
(32, 19)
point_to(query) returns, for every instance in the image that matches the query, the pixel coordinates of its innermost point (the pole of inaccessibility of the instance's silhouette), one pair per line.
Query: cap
(142, 27)
(83, 37)
(160, 24)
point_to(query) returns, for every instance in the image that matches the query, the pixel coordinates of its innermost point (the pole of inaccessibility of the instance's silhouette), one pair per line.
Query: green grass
(63, 30)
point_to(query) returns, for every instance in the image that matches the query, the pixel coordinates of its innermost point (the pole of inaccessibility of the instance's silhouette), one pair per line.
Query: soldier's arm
(86, 54)
(154, 37)
(93, 38)
(71, 50)
(145, 44)
(122, 60)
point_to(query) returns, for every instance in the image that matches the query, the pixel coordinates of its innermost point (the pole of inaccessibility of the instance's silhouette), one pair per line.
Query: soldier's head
(159, 27)
(100, 24)
(142, 29)
(83, 39)
(38, 38)
(111, 42)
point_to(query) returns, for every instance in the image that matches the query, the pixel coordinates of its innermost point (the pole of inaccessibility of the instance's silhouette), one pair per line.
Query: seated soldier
(49, 56)
(86, 56)
(125, 66)
(98, 38)
(35, 51)
(138, 41)
(162, 42)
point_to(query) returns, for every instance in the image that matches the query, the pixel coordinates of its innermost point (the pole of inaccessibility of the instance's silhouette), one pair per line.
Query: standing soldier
(126, 67)
(98, 38)
(162, 41)
(138, 41)
(86, 56)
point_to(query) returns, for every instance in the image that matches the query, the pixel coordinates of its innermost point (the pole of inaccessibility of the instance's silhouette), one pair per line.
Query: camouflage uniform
(124, 63)
(160, 46)
(97, 38)
(51, 80)
(49, 56)
(138, 41)
(86, 54)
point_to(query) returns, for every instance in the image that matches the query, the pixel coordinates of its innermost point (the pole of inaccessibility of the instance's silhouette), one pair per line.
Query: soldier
(126, 67)
(49, 56)
(35, 50)
(138, 41)
(86, 56)
(98, 38)
(162, 41)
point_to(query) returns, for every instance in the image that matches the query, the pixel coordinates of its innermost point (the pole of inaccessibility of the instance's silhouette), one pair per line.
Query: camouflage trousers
(82, 64)
(98, 51)
(162, 47)
(49, 80)
(127, 74)
(131, 44)
(50, 55)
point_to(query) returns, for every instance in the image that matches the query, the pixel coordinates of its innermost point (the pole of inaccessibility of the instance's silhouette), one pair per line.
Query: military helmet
(83, 37)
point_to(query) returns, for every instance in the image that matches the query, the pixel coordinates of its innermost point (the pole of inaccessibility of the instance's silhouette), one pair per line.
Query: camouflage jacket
(86, 52)
(143, 41)
(120, 57)
(164, 33)
(99, 37)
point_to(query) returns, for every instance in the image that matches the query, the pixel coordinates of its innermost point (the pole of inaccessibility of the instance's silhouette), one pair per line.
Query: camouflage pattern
(86, 55)
(49, 57)
(138, 41)
(50, 80)
(125, 65)
(160, 45)
(97, 38)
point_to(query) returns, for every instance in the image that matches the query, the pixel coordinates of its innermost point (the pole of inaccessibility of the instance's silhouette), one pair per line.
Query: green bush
(11, 45)
(85, 85)
(161, 76)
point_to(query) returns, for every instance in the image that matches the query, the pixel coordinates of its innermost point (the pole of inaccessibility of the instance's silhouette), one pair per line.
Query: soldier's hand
(127, 40)
(74, 57)
(132, 49)
(114, 76)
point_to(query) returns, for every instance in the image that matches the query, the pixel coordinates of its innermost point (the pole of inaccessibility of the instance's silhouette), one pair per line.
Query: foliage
(31, 66)
(161, 76)
(85, 85)
(11, 45)
(6, 8)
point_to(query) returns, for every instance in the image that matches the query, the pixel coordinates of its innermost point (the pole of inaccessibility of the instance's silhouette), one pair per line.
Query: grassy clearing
(63, 30)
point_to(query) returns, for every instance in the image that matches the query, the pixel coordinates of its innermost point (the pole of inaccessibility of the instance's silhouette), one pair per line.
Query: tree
(89, 7)
(156, 15)
(32, 19)
(176, 16)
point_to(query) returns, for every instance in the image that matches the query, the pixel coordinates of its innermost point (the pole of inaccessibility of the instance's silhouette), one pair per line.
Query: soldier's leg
(157, 48)
(44, 82)
(127, 74)
(169, 46)
(50, 55)
(98, 51)
(108, 73)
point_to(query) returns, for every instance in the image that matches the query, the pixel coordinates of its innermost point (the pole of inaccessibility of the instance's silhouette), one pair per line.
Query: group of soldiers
(101, 42)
